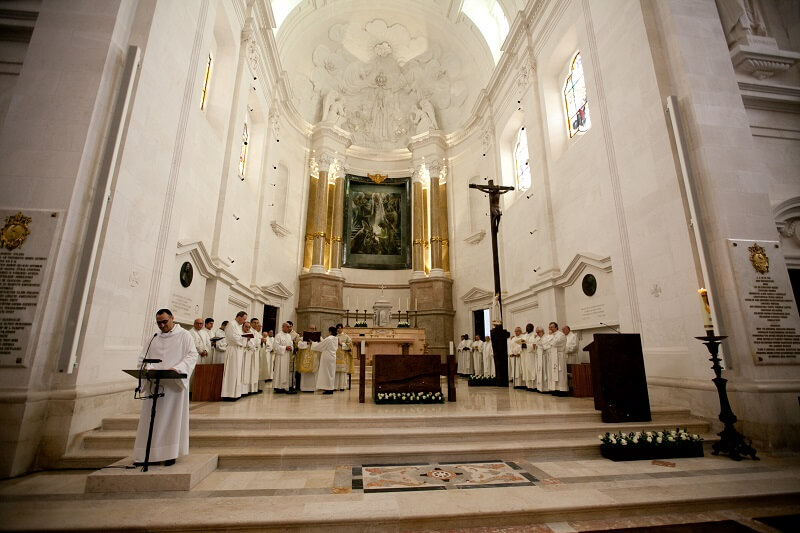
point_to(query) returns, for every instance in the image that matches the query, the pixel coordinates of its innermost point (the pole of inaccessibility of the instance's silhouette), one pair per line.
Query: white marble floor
(567, 495)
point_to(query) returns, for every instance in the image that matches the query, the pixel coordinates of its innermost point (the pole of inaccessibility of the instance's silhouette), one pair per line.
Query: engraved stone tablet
(27, 237)
(770, 311)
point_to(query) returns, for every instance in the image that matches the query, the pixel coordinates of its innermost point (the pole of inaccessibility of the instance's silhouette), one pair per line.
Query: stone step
(390, 417)
(214, 438)
(325, 456)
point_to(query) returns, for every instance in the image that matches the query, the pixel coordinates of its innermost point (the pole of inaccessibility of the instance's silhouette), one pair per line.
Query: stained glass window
(522, 165)
(243, 152)
(575, 101)
(206, 79)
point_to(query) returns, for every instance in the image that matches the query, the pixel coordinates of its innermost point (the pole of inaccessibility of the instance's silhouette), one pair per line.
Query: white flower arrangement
(403, 324)
(650, 438)
(409, 397)
(361, 324)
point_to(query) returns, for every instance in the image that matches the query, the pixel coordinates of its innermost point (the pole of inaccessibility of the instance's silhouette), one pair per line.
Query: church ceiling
(384, 70)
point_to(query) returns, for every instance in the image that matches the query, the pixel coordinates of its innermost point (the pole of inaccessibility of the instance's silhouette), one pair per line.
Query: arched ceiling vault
(388, 69)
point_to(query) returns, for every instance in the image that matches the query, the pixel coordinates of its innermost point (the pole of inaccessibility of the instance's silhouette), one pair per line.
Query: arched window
(243, 151)
(522, 167)
(575, 102)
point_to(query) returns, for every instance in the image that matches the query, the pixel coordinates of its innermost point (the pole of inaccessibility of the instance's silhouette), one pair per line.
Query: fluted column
(320, 223)
(417, 223)
(309, 237)
(436, 238)
(338, 226)
(444, 231)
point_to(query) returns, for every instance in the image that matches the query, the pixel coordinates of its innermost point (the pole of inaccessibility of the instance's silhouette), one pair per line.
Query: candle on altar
(348, 302)
(356, 302)
(707, 323)
(451, 347)
(399, 304)
(407, 304)
(415, 304)
(364, 347)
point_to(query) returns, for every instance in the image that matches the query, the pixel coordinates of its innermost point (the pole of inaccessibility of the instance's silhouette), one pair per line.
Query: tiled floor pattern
(440, 476)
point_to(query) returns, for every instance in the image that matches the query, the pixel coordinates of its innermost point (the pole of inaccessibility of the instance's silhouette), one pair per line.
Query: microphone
(611, 328)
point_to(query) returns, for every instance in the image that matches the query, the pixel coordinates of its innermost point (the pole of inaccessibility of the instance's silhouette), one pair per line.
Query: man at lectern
(176, 349)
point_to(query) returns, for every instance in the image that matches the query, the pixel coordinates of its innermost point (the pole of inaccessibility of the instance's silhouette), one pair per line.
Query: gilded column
(426, 243)
(338, 225)
(444, 230)
(309, 238)
(417, 222)
(320, 222)
(329, 225)
(436, 239)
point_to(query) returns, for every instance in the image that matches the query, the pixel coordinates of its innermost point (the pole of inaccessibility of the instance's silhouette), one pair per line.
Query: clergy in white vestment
(261, 352)
(308, 380)
(516, 369)
(282, 378)
(344, 357)
(477, 356)
(221, 346)
(542, 374)
(464, 356)
(549, 361)
(529, 358)
(250, 361)
(560, 345)
(234, 358)
(202, 342)
(175, 347)
(326, 376)
(488, 359)
(269, 348)
(571, 348)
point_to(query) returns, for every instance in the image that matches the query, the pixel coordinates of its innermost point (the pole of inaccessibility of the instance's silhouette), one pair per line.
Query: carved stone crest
(759, 259)
(378, 178)
(15, 231)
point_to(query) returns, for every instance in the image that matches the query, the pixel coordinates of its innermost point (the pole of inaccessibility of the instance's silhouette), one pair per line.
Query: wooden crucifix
(499, 335)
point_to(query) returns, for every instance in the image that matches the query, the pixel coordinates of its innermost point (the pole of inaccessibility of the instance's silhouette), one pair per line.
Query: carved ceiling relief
(382, 85)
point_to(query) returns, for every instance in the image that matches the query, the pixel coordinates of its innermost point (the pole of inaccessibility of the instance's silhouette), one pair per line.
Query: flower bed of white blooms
(650, 439)
(476, 380)
(360, 325)
(409, 397)
(403, 325)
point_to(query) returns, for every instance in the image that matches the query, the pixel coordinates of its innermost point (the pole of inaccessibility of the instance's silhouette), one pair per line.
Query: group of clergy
(537, 360)
(323, 364)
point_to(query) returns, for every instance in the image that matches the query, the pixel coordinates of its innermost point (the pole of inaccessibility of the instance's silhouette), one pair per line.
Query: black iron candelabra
(731, 441)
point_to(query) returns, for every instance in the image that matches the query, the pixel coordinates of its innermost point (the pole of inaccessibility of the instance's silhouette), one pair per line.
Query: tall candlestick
(707, 323)
(415, 304)
(364, 347)
(348, 302)
(407, 304)
(451, 348)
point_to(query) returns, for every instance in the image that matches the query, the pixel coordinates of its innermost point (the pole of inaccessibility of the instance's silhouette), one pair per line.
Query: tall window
(206, 79)
(522, 167)
(243, 151)
(575, 102)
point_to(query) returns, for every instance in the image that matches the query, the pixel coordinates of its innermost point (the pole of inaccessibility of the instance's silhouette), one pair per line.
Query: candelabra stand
(347, 318)
(416, 313)
(731, 441)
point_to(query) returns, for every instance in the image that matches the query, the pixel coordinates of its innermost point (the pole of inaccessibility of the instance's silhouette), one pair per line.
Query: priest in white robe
(234, 358)
(269, 349)
(282, 377)
(516, 346)
(573, 356)
(308, 380)
(221, 345)
(202, 342)
(542, 372)
(488, 359)
(344, 357)
(477, 356)
(250, 361)
(175, 347)
(529, 359)
(464, 350)
(326, 376)
(561, 383)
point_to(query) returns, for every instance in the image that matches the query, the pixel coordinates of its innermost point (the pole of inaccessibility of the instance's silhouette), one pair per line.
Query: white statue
(424, 117)
(332, 107)
(741, 18)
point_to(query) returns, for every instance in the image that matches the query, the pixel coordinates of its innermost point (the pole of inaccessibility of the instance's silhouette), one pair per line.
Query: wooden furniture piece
(388, 340)
(618, 379)
(406, 373)
(207, 383)
(581, 380)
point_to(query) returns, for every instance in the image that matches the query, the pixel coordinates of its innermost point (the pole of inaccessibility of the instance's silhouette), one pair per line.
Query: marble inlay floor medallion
(440, 476)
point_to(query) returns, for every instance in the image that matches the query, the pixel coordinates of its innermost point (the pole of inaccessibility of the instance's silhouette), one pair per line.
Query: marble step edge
(104, 437)
(345, 454)
(386, 419)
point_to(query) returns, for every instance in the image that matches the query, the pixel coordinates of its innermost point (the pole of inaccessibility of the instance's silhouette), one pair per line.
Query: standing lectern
(155, 376)
(618, 379)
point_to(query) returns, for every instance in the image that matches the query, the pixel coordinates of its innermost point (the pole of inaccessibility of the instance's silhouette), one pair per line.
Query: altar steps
(323, 441)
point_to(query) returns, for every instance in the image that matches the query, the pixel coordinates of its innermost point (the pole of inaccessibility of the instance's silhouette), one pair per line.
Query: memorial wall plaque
(26, 241)
(765, 294)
